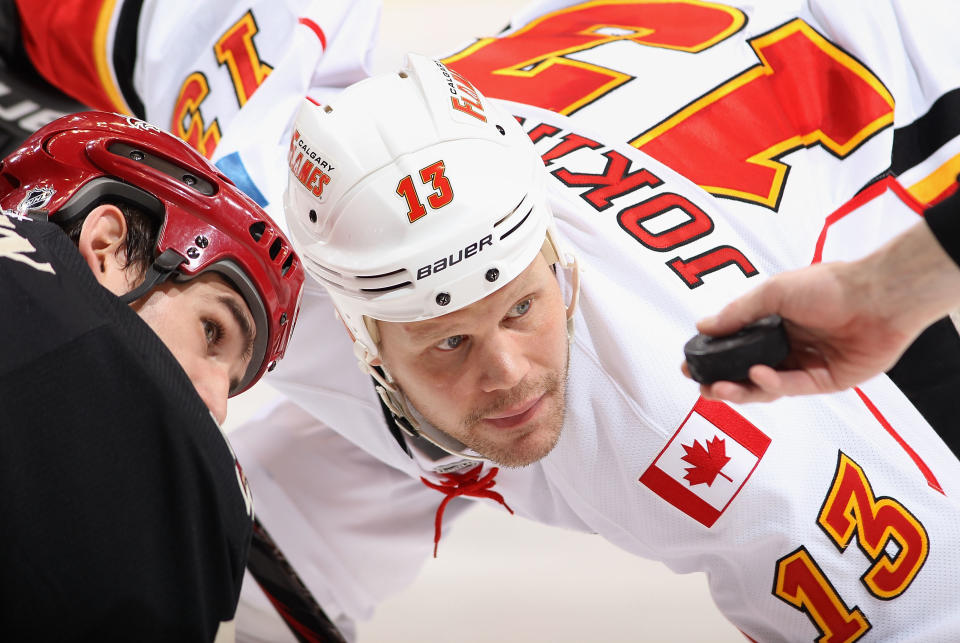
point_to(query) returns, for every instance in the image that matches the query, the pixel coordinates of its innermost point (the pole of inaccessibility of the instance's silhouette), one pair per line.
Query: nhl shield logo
(36, 199)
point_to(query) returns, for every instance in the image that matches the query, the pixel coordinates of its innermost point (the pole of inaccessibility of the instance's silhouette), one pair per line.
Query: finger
(791, 382)
(736, 392)
(757, 303)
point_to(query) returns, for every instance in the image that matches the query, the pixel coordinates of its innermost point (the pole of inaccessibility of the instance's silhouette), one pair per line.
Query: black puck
(729, 358)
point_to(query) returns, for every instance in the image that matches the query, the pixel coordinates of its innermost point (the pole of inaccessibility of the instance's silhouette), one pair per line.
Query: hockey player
(138, 289)
(744, 100)
(786, 138)
(434, 239)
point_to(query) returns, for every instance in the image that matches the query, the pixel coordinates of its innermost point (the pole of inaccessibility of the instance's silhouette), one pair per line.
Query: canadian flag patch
(707, 461)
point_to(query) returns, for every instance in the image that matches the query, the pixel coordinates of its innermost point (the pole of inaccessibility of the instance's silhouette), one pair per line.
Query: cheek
(554, 336)
(178, 338)
(439, 383)
(427, 385)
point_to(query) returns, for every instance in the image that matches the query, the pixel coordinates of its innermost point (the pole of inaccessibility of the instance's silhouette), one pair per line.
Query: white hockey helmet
(411, 195)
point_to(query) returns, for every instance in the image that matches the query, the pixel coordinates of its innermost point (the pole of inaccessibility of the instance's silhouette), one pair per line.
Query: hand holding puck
(711, 359)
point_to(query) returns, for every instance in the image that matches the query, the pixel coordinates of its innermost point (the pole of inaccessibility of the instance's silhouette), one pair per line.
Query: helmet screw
(443, 298)
(136, 155)
(283, 319)
(272, 365)
(492, 275)
(502, 131)
(313, 216)
(192, 252)
(201, 241)
(189, 179)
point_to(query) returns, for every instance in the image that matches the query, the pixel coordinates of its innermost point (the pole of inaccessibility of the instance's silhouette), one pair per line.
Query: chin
(525, 450)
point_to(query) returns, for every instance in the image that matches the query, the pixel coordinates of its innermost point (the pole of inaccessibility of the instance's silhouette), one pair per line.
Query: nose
(212, 381)
(504, 362)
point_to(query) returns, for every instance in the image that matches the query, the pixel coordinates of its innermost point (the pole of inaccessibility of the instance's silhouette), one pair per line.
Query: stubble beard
(534, 440)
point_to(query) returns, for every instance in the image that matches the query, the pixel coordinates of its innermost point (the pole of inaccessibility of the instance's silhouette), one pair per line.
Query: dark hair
(141, 242)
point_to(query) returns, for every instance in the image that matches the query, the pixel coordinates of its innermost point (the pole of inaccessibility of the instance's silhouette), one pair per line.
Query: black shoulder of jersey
(131, 522)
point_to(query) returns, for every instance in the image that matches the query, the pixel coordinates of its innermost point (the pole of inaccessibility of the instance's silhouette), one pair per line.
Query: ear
(102, 244)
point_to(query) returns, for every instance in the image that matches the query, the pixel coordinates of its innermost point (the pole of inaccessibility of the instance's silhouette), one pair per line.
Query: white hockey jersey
(781, 110)
(765, 498)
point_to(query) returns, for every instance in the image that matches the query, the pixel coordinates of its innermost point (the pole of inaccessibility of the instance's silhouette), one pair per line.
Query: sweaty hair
(139, 246)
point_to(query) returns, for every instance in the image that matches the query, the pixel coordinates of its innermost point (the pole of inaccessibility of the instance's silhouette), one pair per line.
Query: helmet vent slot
(320, 267)
(275, 248)
(386, 288)
(159, 165)
(386, 274)
(511, 213)
(514, 228)
(257, 230)
(287, 264)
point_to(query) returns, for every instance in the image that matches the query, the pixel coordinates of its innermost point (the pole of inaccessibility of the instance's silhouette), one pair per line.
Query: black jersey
(124, 513)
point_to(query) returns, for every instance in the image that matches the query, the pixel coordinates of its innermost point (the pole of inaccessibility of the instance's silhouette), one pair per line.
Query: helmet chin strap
(404, 414)
(162, 268)
(570, 263)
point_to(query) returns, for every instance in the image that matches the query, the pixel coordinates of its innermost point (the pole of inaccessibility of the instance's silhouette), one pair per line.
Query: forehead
(211, 287)
(493, 304)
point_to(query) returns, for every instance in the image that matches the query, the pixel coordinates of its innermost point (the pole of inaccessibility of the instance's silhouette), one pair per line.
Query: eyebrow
(429, 332)
(246, 328)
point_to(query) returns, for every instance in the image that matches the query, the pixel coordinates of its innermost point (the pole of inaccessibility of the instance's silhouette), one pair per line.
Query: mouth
(516, 415)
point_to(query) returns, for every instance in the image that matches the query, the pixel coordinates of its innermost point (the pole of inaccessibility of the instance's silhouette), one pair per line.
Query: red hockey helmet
(206, 223)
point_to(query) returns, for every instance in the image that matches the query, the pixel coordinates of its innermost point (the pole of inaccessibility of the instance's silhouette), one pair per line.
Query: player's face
(208, 327)
(493, 374)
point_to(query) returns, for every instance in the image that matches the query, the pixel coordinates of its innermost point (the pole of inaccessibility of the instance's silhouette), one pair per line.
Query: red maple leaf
(707, 463)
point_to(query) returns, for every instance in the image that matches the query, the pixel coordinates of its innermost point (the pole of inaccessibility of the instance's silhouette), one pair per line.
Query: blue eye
(451, 343)
(520, 309)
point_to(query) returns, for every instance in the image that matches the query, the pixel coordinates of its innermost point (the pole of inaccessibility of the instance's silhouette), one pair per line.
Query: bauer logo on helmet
(453, 259)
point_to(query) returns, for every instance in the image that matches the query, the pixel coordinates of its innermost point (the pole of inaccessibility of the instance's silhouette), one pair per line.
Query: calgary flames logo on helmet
(464, 97)
(311, 169)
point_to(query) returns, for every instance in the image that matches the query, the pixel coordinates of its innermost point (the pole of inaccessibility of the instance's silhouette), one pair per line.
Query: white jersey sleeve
(226, 77)
(355, 530)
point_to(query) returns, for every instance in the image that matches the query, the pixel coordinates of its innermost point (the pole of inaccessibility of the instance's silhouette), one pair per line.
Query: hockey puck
(711, 359)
